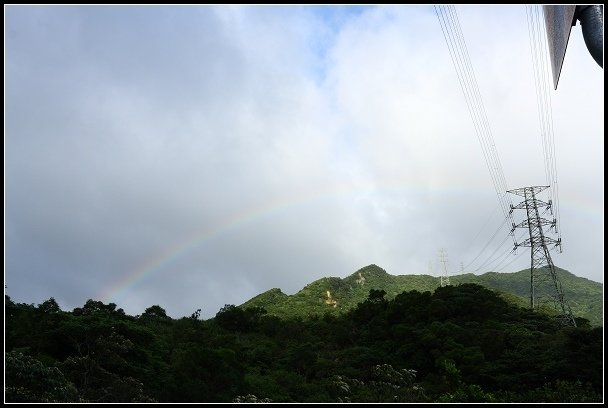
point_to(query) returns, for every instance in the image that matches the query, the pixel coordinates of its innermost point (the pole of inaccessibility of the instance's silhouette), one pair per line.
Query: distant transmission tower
(545, 287)
(443, 258)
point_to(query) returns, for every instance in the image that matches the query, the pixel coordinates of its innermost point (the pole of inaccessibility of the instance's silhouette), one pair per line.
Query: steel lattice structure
(443, 258)
(545, 287)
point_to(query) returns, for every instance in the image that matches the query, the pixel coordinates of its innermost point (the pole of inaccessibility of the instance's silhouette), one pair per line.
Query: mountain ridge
(338, 295)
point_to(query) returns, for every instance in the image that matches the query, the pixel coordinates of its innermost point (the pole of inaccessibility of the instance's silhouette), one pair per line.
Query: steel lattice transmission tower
(545, 287)
(443, 258)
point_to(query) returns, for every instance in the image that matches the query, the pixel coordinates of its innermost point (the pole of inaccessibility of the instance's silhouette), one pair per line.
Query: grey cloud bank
(196, 156)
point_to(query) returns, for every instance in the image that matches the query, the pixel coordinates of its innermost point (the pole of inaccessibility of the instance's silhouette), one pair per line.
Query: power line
(450, 27)
(545, 286)
(499, 266)
(483, 226)
(513, 260)
(487, 261)
(488, 243)
(503, 257)
(443, 258)
(538, 49)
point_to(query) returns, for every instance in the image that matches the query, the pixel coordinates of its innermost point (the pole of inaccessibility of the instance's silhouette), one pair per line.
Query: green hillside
(459, 344)
(337, 295)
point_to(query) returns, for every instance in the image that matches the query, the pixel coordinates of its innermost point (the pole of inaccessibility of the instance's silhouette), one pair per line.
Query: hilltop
(337, 295)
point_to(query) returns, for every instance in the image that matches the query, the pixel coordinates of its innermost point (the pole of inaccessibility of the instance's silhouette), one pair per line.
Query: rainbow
(153, 265)
(160, 261)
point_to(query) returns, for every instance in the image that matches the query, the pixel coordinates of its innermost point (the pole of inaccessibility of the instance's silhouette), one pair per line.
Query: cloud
(197, 156)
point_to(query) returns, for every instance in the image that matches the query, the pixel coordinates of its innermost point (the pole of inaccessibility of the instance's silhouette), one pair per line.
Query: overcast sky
(193, 157)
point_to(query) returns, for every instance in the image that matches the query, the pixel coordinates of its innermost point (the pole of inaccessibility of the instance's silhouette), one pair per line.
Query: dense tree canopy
(460, 343)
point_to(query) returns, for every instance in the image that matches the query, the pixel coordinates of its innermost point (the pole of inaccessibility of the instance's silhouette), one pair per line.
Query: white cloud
(245, 148)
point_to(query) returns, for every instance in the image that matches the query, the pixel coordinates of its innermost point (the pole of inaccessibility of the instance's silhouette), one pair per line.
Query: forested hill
(462, 343)
(337, 295)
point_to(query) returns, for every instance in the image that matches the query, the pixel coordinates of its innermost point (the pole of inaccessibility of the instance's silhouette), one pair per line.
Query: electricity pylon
(443, 258)
(545, 287)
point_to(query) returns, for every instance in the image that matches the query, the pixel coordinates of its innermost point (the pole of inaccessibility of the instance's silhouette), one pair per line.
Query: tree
(28, 380)
(201, 374)
(232, 317)
(155, 312)
(376, 295)
(100, 368)
(97, 307)
(49, 306)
